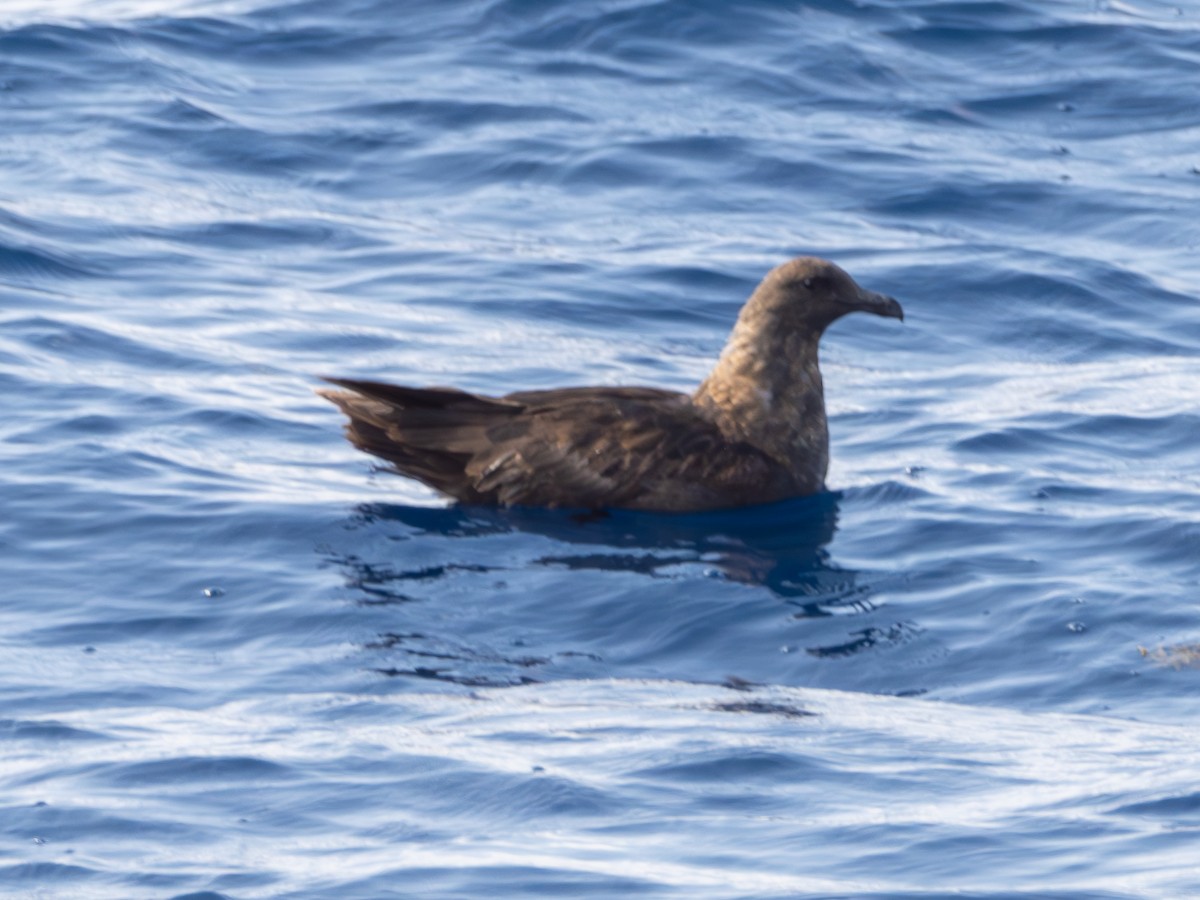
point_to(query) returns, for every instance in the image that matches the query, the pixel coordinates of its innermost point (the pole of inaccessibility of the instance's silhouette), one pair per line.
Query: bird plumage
(754, 431)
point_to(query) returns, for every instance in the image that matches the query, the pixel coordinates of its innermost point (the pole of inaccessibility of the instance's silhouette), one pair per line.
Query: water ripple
(239, 661)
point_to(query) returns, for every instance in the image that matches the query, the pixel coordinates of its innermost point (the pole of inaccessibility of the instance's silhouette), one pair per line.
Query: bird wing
(620, 447)
(575, 447)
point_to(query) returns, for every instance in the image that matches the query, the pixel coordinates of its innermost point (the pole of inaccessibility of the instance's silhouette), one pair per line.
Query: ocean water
(238, 661)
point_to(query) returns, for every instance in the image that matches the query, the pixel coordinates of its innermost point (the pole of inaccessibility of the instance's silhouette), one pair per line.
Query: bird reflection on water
(780, 546)
(486, 550)
(465, 577)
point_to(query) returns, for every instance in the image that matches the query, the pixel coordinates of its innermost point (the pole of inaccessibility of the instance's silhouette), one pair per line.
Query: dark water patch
(504, 797)
(196, 35)
(261, 236)
(54, 42)
(692, 283)
(26, 265)
(237, 149)
(206, 771)
(460, 113)
(187, 112)
(1109, 436)
(70, 343)
(589, 69)
(1151, 541)
(964, 31)
(888, 493)
(1069, 492)
(1058, 307)
(120, 630)
(231, 422)
(46, 730)
(74, 427)
(1178, 810)
(1092, 119)
(1138, 436)
(62, 824)
(639, 34)
(257, 40)
(1003, 205)
(40, 874)
(521, 161)
(33, 700)
(736, 771)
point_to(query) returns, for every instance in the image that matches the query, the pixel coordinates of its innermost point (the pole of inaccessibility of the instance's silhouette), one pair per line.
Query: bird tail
(430, 434)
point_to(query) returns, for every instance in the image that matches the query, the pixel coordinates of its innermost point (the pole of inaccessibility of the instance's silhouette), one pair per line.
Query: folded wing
(639, 448)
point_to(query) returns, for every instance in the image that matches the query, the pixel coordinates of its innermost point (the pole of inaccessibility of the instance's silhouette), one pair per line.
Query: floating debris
(1177, 656)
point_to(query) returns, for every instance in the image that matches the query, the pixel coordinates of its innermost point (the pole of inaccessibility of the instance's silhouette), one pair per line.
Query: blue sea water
(236, 661)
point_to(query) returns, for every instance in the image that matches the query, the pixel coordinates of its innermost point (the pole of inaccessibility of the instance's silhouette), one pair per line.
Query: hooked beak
(880, 304)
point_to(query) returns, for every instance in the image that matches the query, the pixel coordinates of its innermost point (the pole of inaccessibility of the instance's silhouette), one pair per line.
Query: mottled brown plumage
(753, 432)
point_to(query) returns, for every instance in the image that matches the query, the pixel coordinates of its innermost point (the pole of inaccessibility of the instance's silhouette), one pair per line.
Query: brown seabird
(753, 432)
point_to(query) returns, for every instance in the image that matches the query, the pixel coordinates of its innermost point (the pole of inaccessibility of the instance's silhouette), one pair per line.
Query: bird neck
(766, 390)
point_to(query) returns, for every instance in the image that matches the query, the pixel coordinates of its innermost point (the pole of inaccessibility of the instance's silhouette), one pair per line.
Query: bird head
(810, 293)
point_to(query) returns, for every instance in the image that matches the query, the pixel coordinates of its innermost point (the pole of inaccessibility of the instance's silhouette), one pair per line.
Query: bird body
(754, 431)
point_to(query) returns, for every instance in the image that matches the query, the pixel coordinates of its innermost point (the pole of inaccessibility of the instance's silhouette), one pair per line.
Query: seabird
(753, 432)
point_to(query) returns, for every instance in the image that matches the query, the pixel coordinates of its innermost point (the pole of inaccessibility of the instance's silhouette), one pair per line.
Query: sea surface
(239, 661)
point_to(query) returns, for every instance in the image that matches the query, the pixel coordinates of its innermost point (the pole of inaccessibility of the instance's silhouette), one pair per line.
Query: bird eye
(808, 283)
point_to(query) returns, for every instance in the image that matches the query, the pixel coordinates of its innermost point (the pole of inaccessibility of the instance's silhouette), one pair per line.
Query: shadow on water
(481, 566)
(779, 546)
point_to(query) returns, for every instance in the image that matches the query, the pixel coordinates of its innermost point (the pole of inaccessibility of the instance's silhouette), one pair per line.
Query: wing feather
(603, 448)
(641, 448)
